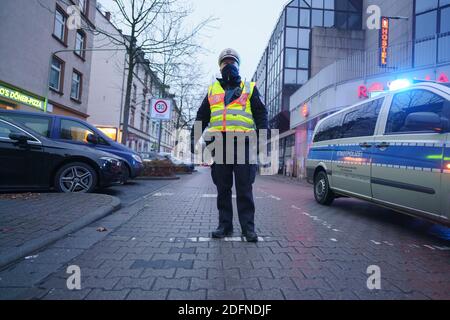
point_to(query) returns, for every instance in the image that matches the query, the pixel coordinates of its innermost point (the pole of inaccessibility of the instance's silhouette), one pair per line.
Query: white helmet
(229, 53)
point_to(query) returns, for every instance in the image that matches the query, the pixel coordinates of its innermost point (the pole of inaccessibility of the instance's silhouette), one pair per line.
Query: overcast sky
(245, 25)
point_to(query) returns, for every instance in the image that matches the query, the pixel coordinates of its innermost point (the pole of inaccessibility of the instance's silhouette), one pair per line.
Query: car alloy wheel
(76, 179)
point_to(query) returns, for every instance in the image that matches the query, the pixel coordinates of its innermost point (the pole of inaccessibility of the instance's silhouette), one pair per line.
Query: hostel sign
(384, 41)
(20, 97)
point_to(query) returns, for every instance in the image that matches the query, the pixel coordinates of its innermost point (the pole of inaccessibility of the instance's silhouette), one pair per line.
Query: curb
(29, 247)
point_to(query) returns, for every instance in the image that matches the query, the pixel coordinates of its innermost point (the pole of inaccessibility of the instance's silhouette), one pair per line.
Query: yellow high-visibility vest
(235, 117)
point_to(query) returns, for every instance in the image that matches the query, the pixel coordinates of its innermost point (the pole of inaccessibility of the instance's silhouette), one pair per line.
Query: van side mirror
(19, 137)
(426, 121)
(91, 138)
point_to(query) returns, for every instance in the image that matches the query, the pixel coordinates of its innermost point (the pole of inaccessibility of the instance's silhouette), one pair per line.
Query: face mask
(230, 72)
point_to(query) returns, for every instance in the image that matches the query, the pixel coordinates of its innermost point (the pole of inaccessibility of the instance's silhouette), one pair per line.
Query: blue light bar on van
(399, 84)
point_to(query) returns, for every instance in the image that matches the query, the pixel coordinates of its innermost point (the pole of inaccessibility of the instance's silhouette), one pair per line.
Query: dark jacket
(259, 110)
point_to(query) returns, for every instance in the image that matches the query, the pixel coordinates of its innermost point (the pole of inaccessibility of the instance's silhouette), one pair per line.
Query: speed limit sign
(161, 109)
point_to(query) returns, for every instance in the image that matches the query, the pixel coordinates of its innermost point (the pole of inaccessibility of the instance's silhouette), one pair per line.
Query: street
(157, 246)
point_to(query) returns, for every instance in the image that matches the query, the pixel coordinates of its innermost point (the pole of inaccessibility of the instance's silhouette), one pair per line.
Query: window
(291, 37)
(302, 76)
(6, 130)
(328, 20)
(56, 75)
(303, 38)
(425, 5)
(84, 6)
(305, 18)
(134, 93)
(426, 25)
(414, 101)
(361, 121)
(60, 29)
(317, 18)
(329, 129)
(80, 44)
(291, 58)
(39, 124)
(74, 131)
(132, 114)
(290, 76)
(303, 59)
(292, 17)
(75, 92)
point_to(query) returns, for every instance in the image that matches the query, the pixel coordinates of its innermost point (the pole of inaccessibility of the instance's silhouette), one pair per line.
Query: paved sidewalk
(31, 221)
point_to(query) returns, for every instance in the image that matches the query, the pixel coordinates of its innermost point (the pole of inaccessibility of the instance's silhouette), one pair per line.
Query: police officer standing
(233, 106)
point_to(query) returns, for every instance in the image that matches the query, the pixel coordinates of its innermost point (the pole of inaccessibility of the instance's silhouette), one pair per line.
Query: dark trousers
(244, 175)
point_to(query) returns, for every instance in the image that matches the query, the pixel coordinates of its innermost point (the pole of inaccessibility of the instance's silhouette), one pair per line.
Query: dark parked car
(76, 131)
(29, 160)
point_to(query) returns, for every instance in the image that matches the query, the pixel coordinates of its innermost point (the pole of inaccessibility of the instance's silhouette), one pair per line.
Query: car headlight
(111, 160)
(137, 158)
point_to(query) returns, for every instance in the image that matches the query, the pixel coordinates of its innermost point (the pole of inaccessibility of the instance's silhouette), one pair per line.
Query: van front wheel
(322, 192)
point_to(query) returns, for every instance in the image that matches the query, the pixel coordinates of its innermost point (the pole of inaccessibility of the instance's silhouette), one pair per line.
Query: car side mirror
(91, 138)
(426, 121)
(19, 137)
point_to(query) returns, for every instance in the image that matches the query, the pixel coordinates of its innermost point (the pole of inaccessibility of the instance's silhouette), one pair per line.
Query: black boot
(221, 233)
(250, 236)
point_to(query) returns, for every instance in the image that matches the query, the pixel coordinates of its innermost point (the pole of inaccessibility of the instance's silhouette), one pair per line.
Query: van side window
(74, 131)
(39, 124)
(329, 129)
(412, 101)
(362, 120)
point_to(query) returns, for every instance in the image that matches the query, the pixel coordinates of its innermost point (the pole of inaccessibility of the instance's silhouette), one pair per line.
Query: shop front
(13, 98)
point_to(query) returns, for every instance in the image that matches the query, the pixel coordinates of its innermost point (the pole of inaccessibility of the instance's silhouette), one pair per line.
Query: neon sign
(305, 110)
(384, 41)
(21, 97)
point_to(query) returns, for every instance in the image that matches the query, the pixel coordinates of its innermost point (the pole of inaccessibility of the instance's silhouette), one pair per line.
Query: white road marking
(227, 239)
(376, 242)
(31, 257)
(388, 243)
(429, 247)
(333, 239)
(274, 197)
(442, 248)
(163, 194)
(210, 195)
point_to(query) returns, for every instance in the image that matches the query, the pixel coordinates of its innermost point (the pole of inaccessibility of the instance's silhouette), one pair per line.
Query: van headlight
(137, 158)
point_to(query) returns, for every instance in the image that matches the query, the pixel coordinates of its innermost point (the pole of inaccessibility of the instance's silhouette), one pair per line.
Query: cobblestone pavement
(162, 250)
(26, 218)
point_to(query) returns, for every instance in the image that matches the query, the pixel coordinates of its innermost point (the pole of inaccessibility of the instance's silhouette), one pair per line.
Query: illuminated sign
(376, 88)
(305, 110)
(384, 41)
(20, 97)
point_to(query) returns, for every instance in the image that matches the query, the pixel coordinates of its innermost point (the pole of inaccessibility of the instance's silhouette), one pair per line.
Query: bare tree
(153, 28)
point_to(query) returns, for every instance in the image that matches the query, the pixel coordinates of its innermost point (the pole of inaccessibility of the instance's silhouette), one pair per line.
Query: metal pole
(159, 136)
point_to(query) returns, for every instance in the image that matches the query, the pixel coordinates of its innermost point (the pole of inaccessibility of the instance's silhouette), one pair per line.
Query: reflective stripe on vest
(237, 116)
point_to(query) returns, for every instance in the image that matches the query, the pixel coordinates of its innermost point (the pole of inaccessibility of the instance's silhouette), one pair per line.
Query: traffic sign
(161, 109)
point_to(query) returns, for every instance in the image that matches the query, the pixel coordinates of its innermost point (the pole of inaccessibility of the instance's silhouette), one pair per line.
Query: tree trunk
(129, 86)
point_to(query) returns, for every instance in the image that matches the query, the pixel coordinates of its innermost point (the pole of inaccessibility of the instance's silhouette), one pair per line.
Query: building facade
(296, 52)
(107, 93)
(43, 65)
(418, 48)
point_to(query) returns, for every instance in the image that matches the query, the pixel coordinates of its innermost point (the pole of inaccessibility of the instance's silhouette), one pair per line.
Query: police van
(392, 150)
